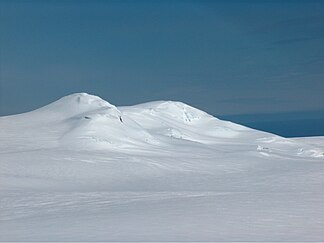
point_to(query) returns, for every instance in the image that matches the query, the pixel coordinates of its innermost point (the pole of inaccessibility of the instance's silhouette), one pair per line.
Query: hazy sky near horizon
(225, 57)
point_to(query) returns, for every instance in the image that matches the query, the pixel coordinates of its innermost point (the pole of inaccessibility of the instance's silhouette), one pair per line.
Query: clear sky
(225, 57)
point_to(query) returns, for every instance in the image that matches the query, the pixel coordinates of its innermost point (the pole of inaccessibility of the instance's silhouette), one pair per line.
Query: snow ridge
(85, 121)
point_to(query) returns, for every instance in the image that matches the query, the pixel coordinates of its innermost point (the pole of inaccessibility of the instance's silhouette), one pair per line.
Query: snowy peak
(84, 99)
(178, 120)
(76, 104)
(172, 109)
(95, 123)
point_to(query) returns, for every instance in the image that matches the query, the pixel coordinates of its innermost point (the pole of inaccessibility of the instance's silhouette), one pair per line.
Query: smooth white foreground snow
(81, 169)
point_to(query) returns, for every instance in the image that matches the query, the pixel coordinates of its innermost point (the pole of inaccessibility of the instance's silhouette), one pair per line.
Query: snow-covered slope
(82, 169)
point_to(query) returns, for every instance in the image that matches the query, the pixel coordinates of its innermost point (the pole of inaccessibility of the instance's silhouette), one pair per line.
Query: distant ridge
(84, 121)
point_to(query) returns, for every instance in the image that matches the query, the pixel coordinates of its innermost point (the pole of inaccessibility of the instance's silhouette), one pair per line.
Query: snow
(82, 169)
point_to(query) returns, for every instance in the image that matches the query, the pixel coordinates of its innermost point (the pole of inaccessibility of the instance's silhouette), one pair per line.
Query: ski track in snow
(81, 169)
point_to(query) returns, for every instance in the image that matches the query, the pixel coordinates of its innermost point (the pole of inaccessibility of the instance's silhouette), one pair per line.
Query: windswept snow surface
(81, 169)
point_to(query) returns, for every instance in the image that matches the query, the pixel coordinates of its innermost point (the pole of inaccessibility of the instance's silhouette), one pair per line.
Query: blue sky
(225, 57)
